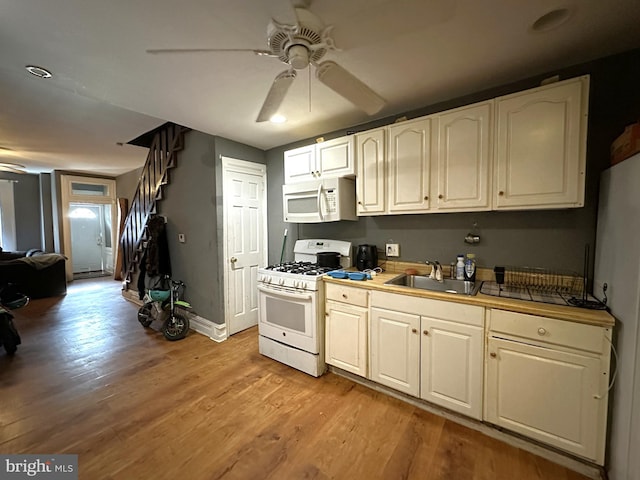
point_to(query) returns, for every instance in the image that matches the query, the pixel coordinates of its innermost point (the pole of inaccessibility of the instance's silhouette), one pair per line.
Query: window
(7, 216)
(92, 189)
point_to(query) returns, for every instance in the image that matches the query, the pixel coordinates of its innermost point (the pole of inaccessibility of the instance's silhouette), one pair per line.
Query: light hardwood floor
(89, 380)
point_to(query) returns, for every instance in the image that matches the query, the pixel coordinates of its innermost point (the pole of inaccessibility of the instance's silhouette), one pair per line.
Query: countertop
(575, 314)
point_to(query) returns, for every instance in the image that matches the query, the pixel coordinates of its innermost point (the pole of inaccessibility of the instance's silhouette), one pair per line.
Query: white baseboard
(215, 331)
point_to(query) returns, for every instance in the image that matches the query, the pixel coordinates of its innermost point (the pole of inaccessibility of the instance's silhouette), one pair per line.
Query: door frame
(68, 197)
(240, 166)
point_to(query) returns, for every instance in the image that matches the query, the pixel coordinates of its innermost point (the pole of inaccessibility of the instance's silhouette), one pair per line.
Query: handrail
(162, 156)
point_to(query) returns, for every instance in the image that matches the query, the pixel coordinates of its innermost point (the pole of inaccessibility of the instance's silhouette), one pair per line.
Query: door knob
(233, 259)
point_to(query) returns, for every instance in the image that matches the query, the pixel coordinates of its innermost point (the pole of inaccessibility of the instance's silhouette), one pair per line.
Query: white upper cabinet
(370, 160)
(330, 159)
(541, 147)
(409, 166)
(463, 158)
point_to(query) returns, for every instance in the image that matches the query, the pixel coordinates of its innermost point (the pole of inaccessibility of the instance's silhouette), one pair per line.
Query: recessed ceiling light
(38, 71)
(551, 20)
(277, 118)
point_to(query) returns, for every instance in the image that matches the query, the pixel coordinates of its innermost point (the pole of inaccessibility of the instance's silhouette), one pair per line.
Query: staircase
(167, 141)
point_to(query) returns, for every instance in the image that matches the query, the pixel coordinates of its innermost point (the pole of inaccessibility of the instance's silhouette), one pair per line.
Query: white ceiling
(106, 89)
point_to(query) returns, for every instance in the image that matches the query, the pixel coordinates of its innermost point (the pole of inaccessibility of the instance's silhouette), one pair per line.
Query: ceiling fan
(298, 46)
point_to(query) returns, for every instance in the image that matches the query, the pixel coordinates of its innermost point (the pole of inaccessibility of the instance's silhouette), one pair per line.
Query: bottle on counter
(460, 267)
(470, 268)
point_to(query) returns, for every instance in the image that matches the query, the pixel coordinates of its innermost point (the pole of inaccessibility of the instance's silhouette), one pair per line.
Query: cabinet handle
(344, 295)
(440, 196)
(501, 193)
(359, 202)
(542, 331)
(426, 332)
(426, 197)
(414, 330)
(492, 355)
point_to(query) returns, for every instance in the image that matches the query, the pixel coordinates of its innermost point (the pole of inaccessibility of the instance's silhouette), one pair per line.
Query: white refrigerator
(617, 263)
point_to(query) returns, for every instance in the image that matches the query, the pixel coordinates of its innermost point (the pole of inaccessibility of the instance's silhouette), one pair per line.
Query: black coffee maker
(367, 257)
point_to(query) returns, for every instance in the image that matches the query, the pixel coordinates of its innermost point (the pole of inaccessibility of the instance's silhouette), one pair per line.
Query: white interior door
(245, 240)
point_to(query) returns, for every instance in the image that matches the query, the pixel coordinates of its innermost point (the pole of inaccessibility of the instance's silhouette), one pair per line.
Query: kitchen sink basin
(422, 282)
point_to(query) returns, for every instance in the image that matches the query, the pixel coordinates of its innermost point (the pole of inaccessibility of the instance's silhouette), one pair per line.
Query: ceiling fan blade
(344, 83)
(161, 51)
(276, 95)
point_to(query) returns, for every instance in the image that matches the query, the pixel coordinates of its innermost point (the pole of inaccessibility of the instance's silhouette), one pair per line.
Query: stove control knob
(303, 284)
(281, 282)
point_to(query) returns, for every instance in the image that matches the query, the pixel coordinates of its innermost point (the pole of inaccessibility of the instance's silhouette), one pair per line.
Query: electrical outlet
(393, 250)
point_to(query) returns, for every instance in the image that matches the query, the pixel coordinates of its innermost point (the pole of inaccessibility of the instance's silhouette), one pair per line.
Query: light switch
(181, 238)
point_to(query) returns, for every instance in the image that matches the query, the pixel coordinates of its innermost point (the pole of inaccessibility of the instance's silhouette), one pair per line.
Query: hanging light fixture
(12, 167)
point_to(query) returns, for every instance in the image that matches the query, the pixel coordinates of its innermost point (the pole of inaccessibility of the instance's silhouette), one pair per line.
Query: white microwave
(325, 200)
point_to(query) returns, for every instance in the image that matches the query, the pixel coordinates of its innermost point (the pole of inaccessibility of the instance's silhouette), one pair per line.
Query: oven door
(289, 316)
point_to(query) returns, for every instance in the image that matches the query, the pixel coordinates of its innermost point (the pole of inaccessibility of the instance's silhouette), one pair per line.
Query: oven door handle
(295, 296)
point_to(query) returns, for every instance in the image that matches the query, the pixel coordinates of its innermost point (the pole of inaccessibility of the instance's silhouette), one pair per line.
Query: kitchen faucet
(436, 270)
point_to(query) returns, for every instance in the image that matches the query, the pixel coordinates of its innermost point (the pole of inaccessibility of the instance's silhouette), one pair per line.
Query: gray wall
(192, 203)
(26, 195)
(552, 238)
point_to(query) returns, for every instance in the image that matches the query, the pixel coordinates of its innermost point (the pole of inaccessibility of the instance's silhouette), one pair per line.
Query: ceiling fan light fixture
(38, 71)
(298, 56)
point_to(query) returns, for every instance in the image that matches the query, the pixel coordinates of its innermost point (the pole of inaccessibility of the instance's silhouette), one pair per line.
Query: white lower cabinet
(395, 350)
(428, 348)
(451, 365)
(347, 332)
(547, 379)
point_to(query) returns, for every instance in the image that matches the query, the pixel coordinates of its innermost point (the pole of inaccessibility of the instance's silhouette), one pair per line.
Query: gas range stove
(300, 268)
(304, 273)
(298, 275)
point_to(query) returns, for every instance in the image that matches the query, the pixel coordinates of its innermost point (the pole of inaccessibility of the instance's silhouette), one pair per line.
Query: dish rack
(544, 280)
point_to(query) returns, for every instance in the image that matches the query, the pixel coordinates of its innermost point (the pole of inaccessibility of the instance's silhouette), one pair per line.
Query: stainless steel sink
(423, 282)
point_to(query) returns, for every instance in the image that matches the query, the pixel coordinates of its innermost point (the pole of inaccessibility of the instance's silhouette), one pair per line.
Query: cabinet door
(395, 350)
(464, 158)
(541, 147)
(346, 337)
(451, 366)
(552, 396)
(300, 164)
(370, 181)
(408, 167)
(334, 158)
